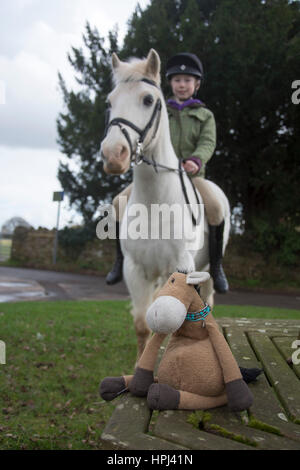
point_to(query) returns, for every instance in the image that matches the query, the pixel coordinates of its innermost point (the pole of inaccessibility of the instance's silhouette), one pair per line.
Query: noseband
(136, 156)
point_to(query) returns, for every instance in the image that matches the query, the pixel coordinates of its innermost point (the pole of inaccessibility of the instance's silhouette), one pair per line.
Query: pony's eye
(173, 280)
(148, 100)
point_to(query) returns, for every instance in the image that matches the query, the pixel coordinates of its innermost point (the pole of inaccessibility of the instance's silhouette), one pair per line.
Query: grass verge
(56, 355)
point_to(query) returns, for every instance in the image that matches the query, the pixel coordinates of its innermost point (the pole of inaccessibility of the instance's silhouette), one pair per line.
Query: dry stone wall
(34, 248)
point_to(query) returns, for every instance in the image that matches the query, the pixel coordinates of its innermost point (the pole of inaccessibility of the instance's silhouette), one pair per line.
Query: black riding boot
(215, 258)
(116, 274)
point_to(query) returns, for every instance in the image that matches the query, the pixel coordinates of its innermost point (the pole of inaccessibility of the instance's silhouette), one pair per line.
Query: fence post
(57, 196)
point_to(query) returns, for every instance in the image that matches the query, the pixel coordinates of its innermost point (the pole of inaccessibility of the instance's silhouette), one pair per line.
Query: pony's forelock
(132, 70)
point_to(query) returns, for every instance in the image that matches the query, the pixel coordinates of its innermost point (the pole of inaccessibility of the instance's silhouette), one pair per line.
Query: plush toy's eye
(172, 280)
(148, 100)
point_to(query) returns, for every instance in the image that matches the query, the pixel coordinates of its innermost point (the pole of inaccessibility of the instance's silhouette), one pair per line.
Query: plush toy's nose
(166, 314)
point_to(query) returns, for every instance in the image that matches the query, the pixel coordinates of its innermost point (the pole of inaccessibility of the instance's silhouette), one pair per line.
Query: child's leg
(119, 203)
(215, 218)
(212, 205)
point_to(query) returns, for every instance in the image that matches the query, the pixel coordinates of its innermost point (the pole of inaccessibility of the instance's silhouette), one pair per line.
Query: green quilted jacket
(193, 133)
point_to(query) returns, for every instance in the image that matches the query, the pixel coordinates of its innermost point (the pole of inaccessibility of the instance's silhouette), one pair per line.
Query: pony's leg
(120, 202)
(213, 205)
(141, 292)
(186, 262)
(164, 397)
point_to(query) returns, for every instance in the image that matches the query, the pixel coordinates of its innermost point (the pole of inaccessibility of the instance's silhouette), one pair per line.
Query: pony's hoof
(111, 387)
(163, 397)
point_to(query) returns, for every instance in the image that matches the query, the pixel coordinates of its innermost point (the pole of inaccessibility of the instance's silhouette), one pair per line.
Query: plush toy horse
(197, 370)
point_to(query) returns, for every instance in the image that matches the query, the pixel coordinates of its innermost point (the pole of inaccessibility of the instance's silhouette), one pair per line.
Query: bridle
(136, 156)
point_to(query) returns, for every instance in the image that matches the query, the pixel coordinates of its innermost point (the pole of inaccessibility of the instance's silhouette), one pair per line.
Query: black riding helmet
(185, 63)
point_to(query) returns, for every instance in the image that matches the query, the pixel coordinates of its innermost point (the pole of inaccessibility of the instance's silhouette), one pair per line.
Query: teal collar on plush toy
(197, 316)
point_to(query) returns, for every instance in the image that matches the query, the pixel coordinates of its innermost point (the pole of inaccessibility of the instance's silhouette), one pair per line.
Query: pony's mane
(132, 70)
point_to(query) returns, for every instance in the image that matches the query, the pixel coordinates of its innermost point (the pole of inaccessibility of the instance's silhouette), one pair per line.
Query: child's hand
(190, 167)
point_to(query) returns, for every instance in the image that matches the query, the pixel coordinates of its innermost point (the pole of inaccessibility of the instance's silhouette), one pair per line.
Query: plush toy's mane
(184, 271)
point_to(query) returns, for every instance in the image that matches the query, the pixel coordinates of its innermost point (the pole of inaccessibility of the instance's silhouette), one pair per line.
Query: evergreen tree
(250, 52)
(81, 127)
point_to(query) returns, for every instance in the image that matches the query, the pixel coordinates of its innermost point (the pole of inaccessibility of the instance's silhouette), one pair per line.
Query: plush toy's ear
(197, 277)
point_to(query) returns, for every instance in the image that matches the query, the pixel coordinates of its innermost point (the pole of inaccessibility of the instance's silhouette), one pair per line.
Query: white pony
(139, 124)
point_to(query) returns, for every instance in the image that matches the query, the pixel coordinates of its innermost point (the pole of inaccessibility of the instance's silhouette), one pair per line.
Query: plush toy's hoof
(163, 397)
(239, 396)
(111, 387)
(250, 375)
(141, 381)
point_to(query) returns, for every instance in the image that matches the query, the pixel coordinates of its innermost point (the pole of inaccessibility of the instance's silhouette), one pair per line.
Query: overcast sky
(35, 37)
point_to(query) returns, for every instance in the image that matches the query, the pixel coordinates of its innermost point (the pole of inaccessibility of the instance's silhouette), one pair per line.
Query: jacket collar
(191, 103)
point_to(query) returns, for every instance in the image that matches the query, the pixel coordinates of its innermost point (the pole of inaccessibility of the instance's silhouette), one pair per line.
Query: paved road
(33, 284)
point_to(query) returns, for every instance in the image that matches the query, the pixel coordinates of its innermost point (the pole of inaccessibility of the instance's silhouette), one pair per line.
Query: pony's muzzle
(166, 314)
(115, 159)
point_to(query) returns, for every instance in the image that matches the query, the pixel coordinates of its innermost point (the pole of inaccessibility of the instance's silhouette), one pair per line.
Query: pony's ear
(197, 277)
(115, 61)
(153, 65)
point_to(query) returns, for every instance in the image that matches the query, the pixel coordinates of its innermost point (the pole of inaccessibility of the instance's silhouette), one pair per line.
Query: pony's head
(135, 105)
(177, 301)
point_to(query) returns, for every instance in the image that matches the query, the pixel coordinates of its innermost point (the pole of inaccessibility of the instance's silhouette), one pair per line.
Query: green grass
(240, 311)
(287, 285)
(56, 355)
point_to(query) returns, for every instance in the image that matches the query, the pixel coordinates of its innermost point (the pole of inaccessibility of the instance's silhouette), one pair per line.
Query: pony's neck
(162, 150)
